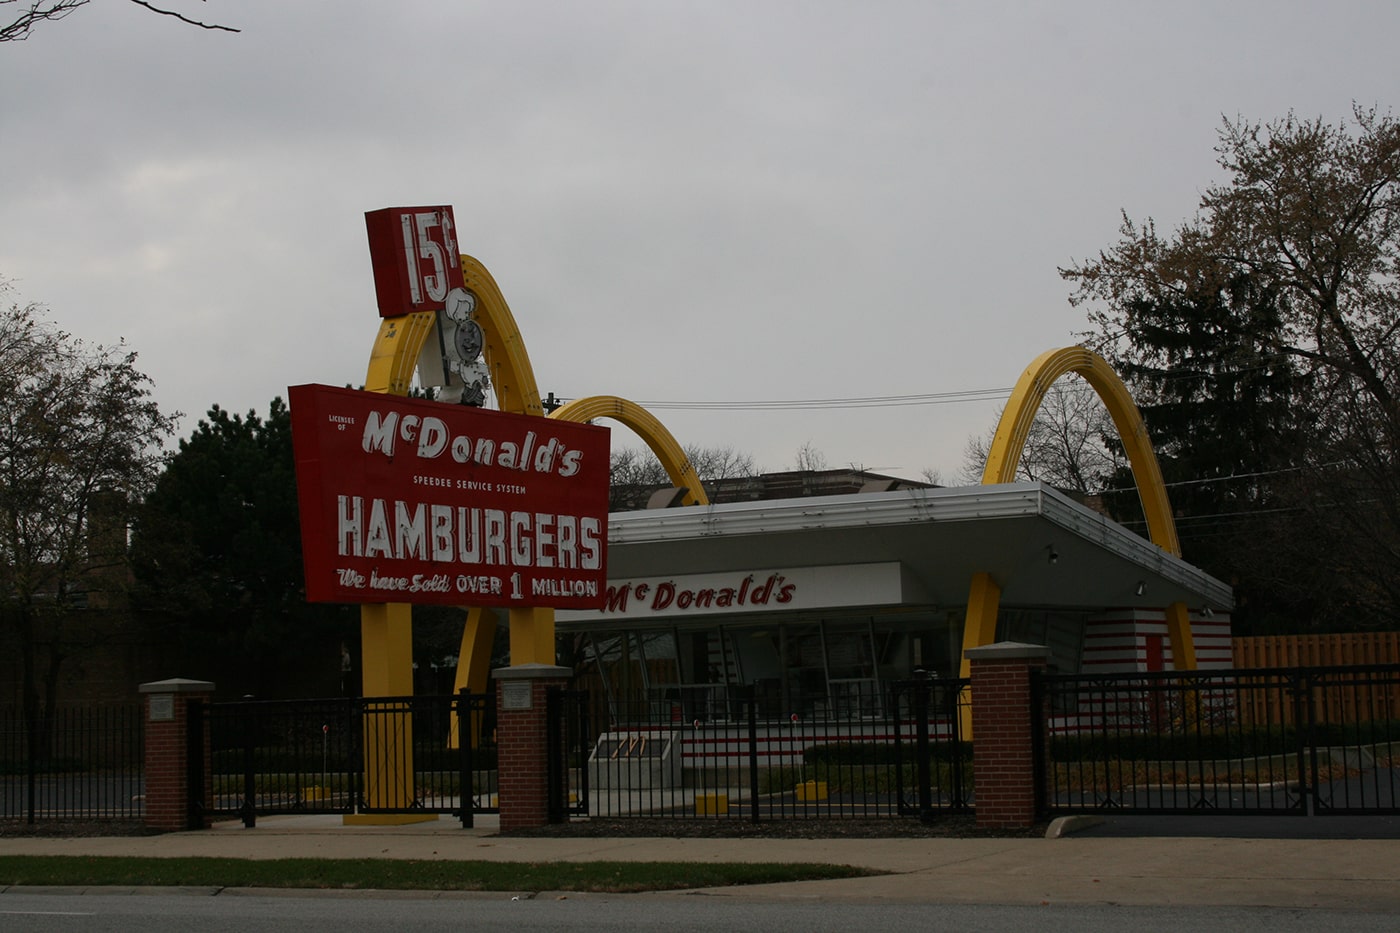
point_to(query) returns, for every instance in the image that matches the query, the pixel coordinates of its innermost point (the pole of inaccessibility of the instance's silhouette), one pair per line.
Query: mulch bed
(75, 828)
(958, 826)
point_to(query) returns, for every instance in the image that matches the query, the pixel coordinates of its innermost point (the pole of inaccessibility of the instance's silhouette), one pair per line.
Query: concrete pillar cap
(532, 672)
(1008, 651)
(177, 685)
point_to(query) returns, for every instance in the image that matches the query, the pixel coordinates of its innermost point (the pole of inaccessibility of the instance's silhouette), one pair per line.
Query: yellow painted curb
(711, 804)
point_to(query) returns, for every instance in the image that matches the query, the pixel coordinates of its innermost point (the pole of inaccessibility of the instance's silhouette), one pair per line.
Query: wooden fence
(1317, 650)
(1358, 698)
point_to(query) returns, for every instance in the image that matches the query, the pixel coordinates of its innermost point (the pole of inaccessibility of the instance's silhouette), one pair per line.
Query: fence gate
(424, 754)
(567, 735)
(1353, 716)
(1294, 741)
(932, 762)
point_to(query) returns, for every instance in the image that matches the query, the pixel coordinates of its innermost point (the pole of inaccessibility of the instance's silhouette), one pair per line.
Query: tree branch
(184, 19)
(38, 11)
(19, 29)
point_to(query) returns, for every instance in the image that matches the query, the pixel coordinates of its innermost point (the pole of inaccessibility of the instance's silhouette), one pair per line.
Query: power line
(1222, 479)
(878, 401)
(889, 401)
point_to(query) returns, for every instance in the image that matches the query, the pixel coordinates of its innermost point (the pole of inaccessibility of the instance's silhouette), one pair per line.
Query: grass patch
(406, 874)
(867, 768)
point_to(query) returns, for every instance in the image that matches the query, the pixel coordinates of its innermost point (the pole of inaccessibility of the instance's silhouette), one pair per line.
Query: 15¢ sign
(414, 254)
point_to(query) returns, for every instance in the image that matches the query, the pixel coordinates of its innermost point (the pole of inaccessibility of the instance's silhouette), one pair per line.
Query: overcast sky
(720, 202)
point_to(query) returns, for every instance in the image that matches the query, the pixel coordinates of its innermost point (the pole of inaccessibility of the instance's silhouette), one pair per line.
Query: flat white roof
(941, 536)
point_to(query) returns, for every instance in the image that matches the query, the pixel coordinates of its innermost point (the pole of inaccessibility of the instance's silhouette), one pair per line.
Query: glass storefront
(1061, 632)
(832, 666)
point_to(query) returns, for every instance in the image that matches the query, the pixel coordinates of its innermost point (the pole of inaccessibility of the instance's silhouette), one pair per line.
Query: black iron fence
(427, 754)
(1281, 741)
(270, 756)
(1291, 741)
(873, 754)
(79, 763)
(938, 756)
(567, 736)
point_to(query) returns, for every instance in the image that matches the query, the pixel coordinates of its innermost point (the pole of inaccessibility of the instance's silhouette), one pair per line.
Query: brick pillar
(168, 799)
(1003, 751)
(521, 746)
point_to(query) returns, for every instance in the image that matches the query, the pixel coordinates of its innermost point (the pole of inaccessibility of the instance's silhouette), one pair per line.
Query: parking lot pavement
(1233, 826)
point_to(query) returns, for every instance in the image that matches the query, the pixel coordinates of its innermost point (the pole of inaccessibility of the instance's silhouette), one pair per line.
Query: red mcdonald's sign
(407, 500)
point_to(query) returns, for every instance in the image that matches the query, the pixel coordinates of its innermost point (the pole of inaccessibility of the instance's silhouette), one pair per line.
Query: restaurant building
(817, 604)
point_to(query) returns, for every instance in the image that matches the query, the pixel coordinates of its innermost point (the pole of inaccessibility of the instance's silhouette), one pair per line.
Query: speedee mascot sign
(405, 500)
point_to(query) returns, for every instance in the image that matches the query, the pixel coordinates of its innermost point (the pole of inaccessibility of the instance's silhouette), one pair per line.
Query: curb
(1064, 825)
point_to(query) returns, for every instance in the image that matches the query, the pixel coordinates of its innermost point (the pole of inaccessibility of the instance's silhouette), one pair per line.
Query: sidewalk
(1077, 868)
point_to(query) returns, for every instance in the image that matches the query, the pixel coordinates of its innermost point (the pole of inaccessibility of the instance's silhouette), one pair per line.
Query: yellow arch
(649, 429)
(1010, 440)
(513, 382)
(512, 376)
(1021, 409)
(386, 629)
(395, 354)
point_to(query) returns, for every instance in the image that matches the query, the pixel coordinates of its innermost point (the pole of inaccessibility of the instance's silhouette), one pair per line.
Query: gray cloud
(680, 201)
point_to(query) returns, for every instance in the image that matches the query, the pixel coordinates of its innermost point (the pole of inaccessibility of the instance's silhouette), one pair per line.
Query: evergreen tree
(217, 557)
(1227, 415)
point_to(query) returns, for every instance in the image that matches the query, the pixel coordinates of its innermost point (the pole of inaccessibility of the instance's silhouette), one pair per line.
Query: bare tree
(628, 466)
(1066, 447)
(29, 13)
(809, 458)
(720, 462)
(631, 470)
(80, 443)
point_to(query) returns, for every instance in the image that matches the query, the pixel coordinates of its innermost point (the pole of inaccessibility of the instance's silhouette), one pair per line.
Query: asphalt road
(363, 913)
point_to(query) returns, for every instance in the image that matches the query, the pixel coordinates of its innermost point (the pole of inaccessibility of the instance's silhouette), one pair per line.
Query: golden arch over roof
(1009, 442)
(1021, 409)
(660, 440)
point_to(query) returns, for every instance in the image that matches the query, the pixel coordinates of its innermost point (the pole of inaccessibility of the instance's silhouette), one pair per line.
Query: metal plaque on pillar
(162, 707)
(516, 695)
